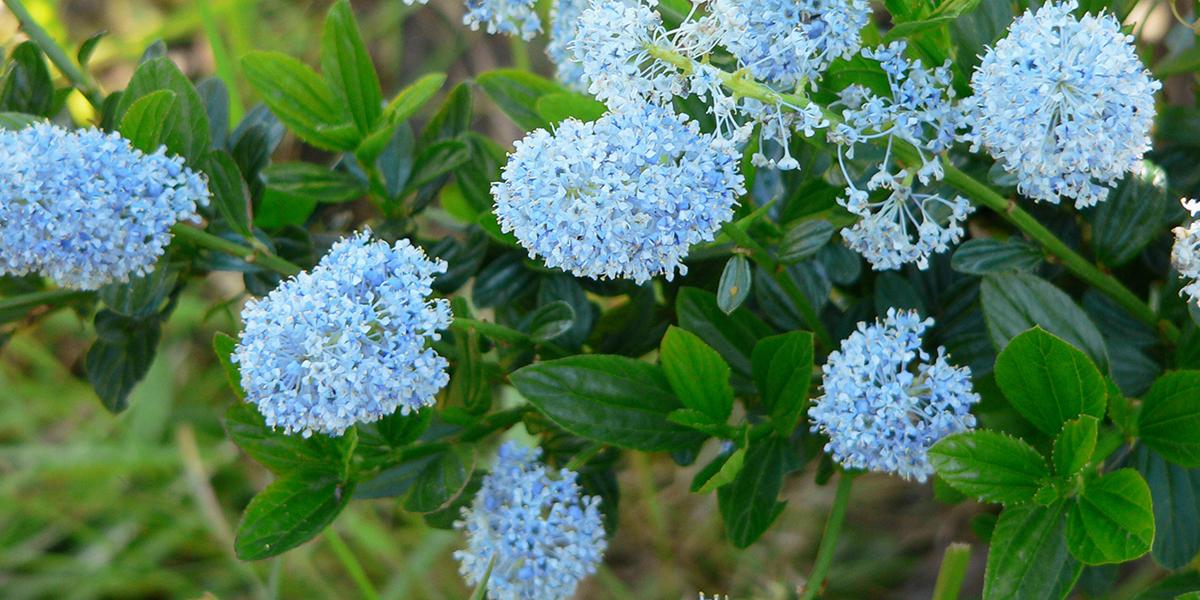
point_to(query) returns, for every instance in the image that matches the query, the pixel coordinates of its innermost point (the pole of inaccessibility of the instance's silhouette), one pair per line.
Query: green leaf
(284, 453)
(1015, 302)
(1131, 217)
(88, 47)
(1111, 521)
(1170, 417)
(733, 336)
(989, 465)
(750, 503)
(392, 481)
(987, 256)
(1175, 495)
(452, 120)
(1074, 446)
(120, 356)
(912, 28)
(734, 286)
(442, 480)
(26, 86)
(413, 97)
(783, 368)
(516, 92)
(186, 132)
(475, 177)
(289, 512)
(1048, 381)
(224, 345)
(731, 467)
(550, 321)
(611, 399)
(145, 123)
(560, 106)
(300, 99)
(143, 295)
(14, 121)
(469, 387)
(804, 239)
(305, 181)
(436, 160)
(1028, 556)
(347, 67)
(697, 374)
(229, 191)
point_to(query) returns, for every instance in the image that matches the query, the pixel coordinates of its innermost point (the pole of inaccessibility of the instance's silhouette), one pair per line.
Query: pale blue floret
(1064, 103)
(543, 535)
(510, 17)
(346, 343)
(564, 25)
(786, 42)
(883, 402)
(622, 197)
(612, 46)
(85, 208)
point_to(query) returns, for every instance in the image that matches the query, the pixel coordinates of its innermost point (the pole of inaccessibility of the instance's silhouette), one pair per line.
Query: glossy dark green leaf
(305, 181)
(347, 67)
(611, 399)
(452, 119)
(550, 321)
(503, 280)
(412, 98)
(290, 511)
(516, 92)
(1049, 381)
(436, 160)
(229, 192)
(1028, 555)
(283, 453)
(223, 346)
(392, 481)
(1111, 520)
(143, 295)
(733, 336)
(145, 123)
(989, 465)
(215, 97)
(1175, 495)
(1170, 417)
(475, 177)
(1015, 302)
(469, 387)
(697, 374)
(120, 356)
(562, 287)
(1074, 445)
(895, 291)
(804, 239)
(987, 256)
(300, 99)
(734, 286)
(186, 133)
(913, 28)
(783, 369)
(26, 86)
(751, 503)
(1131, 217)
(441, 480)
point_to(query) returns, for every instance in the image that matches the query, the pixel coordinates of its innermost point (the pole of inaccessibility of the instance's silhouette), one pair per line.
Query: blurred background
(144, 504)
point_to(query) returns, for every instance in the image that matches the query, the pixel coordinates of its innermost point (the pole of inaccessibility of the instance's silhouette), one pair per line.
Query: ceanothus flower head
(512, 17)
(85, 208)
(1064, 104)
(623, 196)
(884, 403)
(784, 42)
(1185, 254)
(564, 25)
(544, 535)
(612, 45)
(346, 342)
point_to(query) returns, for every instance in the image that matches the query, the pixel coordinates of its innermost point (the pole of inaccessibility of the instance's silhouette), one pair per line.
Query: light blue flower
(543, 535)
(1185, 253)
(883, 403)
(85, 208)
(1064, 104)
(785, 42)
(624, 196)
(511, 17)
(345, 343)
(564, 25)
(612, 46)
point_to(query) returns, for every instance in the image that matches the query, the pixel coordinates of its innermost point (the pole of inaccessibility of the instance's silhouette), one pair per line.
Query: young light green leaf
(730, 469)
(300, 99)
(1111, 521)
(1170, 417)
(1028, 556)
(697, 374)
(783, 369)
(733, 336)
(413, 97)
(347, 67)
(145, 123)
(989, 465)
(1048, 381)
(560, 106)
(1074, 445)
(289, 512)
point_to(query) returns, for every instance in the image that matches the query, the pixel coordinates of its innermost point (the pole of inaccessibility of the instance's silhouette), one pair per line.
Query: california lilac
(1185, 254)
(613, 48)
(511, 17)
(345, 343)
(786, 42)
(1064, 104)
(624, 196)
(884, 403)
(85, 208)
(564, 25)
(904, 227)
(543, 535)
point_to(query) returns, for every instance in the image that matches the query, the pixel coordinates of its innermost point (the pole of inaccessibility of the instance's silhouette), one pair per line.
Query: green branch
(82, 81)
(833, 529)
(258, 256)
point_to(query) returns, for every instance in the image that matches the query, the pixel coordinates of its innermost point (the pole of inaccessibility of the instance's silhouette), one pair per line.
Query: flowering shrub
(940, 242)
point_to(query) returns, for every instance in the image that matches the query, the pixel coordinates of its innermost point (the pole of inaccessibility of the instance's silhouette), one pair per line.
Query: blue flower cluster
(564, 25)
(1185, 253)
(786, 43)
(884, 403)
(542, 534)
(345, 343)
(1065, 104)
(612, 46)
(85, 208)
(904, 226)
(624, 196)
(511, 17)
